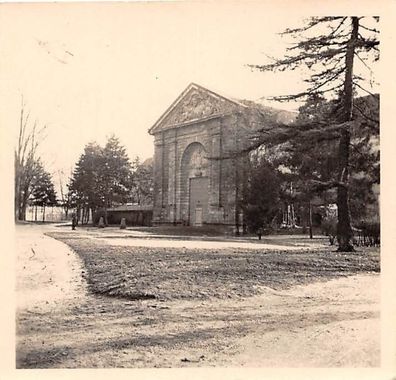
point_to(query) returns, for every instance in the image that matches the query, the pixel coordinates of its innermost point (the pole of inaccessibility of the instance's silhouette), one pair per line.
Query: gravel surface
(223, 317)
(139, 272)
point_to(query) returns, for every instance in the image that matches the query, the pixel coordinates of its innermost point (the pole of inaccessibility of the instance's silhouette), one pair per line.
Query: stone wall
(177, 157)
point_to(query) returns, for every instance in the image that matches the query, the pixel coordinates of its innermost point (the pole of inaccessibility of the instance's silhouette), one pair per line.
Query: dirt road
(60, 324)
(48, 273)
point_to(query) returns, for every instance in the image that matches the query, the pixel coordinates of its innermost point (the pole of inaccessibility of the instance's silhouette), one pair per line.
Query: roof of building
(131, 208)
(197, 103)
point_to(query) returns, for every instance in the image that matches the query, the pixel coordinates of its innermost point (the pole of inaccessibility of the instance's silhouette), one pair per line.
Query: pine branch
(365, 43)
(325, 74)
(333, 33)
(376, 121)
(318, 43)
(287, 62)
(283, 98)
(369, 29)
(364, 63)
(365, 90)
(317, 185)
(358, 151)
(315, 132)
(313, 22)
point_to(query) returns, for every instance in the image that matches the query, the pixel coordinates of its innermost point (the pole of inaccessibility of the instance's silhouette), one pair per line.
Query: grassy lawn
(206, 233)
(212, 231)
(178, 273)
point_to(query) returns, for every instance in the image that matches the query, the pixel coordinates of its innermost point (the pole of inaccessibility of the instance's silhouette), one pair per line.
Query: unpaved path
(162, 243)
(135, 238)
(48, 273)
(60, 324)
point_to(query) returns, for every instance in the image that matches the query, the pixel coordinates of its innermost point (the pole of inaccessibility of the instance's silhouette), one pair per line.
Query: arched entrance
(194, 185)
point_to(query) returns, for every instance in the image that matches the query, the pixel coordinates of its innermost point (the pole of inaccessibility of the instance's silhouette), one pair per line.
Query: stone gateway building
(198, 179)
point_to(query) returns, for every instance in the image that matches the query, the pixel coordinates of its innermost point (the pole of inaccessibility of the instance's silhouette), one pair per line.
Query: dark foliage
(262, 200)
(330, 53)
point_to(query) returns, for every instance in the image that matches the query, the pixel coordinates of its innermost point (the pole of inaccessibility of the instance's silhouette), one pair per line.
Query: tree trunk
(344, 229)
(105, 214)
(43, 213)
(310, 220)
(22, 207)
(22, 212)
(87, 215)
(67, 207)
(17, 195)
(303, 219)
(24, 201)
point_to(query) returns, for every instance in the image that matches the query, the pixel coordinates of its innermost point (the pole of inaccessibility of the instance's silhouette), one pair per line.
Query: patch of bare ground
(286, 328)
(181, 273)
(228, 307)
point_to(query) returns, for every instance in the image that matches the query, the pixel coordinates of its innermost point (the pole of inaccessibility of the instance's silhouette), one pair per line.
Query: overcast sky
(87, 71)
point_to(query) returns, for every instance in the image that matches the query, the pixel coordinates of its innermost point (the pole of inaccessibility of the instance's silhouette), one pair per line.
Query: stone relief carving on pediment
(197, 105)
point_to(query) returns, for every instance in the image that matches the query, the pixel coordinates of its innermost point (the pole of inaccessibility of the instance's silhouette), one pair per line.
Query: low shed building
(135, 215)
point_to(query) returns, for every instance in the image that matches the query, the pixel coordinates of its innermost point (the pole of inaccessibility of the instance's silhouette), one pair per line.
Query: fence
(50, 214)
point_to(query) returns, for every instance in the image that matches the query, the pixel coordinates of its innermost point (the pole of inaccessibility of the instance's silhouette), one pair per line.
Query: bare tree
(26, 160)
(64, 191)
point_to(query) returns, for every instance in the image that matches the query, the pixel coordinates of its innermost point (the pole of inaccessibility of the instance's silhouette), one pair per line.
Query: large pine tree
(84, 184)
(43, 192)
(102, 177)
(330, 49)
(115, 174)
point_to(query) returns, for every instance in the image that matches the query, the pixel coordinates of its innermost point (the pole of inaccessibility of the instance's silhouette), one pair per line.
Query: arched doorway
(194, 185)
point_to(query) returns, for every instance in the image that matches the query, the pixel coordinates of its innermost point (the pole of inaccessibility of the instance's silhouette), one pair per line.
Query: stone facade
(197, 179)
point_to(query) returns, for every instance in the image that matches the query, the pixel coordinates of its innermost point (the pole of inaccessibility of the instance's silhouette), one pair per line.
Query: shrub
(329, 228)
(368, 234)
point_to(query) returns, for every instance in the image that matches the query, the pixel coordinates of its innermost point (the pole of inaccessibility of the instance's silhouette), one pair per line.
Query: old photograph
(195, 185)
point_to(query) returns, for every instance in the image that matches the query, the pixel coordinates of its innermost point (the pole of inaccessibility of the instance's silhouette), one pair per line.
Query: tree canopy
(42, 189)
(84, 183)
(142, 186)
(115, 173)
(262, 196)
(330, 48)
(102, 178)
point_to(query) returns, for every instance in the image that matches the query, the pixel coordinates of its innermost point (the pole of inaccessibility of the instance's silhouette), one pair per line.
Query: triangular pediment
(194, 103)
